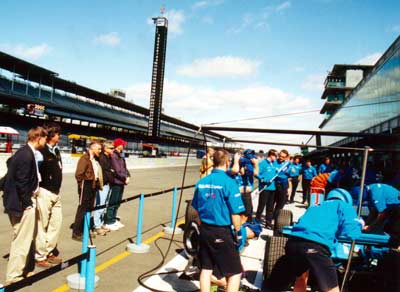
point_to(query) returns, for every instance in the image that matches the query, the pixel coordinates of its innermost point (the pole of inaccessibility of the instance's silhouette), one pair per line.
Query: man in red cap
(121, 178)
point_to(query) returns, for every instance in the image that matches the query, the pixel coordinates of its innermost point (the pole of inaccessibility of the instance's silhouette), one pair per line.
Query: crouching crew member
(384, 200)
(310, 242)
(218, 202)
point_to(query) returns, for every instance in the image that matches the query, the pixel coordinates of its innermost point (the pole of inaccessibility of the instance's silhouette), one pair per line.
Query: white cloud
(219, 67)
(285, 5)
(207, 20)
(111, 39)
(176, 18)
(314, 83)
(25, 52)
(205, 4)
(370, 59)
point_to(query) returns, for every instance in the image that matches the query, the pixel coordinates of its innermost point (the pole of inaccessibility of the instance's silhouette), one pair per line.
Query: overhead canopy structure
(8, 131)
(49, 78)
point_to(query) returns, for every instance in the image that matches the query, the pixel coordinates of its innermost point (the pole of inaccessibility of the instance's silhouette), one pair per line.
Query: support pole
(138, 247)
(77, 280)
(170, 229)
(364, 170)
(91, 270)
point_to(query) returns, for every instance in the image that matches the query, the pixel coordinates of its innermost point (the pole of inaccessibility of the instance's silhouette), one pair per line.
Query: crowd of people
(224, 196)
(32, 199)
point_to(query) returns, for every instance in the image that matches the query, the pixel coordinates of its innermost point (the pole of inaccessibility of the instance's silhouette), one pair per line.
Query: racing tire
(274, 250)
(190, 213)
(191, 239)
(283, 218)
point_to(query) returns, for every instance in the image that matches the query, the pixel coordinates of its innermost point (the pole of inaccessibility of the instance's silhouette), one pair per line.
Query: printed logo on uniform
(210, 195)
(311, 251)
(219, 240)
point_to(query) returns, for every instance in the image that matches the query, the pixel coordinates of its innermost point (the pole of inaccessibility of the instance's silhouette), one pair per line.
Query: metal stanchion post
(139, 247)
(77, 280)
(91, 279)
(170, 229)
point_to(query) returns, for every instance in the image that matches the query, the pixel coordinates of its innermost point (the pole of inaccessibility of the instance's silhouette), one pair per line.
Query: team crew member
(48, 200)
(266, 199)
(385, 200)
(294, 172)
(248, 165)
(281, 194)
(310, 242)
(218, 202)
(308, 172)
(207, 163)
(326, 166)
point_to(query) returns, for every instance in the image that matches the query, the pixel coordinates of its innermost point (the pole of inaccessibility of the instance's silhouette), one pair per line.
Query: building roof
(340, 69)
(40, 75)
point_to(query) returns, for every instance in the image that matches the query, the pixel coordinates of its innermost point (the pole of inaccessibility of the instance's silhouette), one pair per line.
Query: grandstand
(80, 109)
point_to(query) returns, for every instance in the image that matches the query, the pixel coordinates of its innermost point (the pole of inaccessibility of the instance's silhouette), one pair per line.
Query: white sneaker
(119, 224)
(112, 227)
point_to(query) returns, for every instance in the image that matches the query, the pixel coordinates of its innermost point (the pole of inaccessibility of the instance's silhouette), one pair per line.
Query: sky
(228, 61)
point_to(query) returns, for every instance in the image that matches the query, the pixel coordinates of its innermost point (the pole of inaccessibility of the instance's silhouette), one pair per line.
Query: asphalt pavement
(118, 270)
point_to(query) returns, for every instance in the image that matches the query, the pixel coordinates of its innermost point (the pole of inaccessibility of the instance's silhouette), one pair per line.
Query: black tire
(191, 239)
(388, 270)
(274, 250)
(190, 213)
(283, 218)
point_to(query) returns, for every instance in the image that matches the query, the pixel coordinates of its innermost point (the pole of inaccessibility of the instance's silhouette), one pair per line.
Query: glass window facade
(381, 91)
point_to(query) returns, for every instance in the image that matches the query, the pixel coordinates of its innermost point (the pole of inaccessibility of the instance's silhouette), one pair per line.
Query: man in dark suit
(22, 182)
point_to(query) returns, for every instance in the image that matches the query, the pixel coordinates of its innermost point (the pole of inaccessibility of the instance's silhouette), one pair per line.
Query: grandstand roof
(43, 76)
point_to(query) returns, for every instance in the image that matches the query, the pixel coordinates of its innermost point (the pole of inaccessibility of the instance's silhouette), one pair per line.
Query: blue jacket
(294, 170)
(283, 169)
(324, 223)
(323, 168)
(383, 196)
(266, 171)
(216, 197)
(308, 172)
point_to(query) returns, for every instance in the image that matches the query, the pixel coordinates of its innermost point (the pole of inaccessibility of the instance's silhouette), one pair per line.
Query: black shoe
(77, 237)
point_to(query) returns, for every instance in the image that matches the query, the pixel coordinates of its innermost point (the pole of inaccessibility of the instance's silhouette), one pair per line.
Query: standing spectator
(218, 203)
(308, 172)
(294, 172)
(121, 178)
(281, 194)
(207, 163)
(49, 200)
(89, 177)
(266, 198)
(19, 199)
(103, 195)
(326, 166)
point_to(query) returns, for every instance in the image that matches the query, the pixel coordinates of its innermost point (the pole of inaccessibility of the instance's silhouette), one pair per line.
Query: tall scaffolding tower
(157, 78)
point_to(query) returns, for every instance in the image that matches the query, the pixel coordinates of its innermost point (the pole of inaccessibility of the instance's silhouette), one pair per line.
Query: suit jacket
(21, 181)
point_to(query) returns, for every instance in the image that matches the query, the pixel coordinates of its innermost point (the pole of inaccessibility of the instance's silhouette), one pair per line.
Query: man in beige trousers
(20, 190)
(49, 200)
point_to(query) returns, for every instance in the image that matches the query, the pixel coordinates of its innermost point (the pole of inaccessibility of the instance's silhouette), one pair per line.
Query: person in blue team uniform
(294, 172)
(248, 165)
(311, 241)
(326, 166)
(266, 198)
(308, 173)
(281, 182)
(218, 202)
(384, 202)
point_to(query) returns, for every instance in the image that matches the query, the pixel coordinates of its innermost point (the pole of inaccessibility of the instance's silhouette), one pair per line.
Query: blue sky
(226, 60)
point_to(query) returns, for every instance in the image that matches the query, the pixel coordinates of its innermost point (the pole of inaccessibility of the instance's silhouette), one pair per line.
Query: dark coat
(120, 170)
(21, 181)
(84, 171)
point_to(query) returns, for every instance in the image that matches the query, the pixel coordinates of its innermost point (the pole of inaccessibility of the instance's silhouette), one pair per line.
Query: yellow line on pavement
(117, 258)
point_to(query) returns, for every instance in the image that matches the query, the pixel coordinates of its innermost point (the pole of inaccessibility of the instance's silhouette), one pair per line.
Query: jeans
(115, 198)
(101, 199)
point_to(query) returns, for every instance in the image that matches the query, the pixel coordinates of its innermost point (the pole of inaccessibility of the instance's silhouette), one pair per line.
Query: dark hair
(220, 157)
(35, 133)
(272, 152)
(52, 129)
